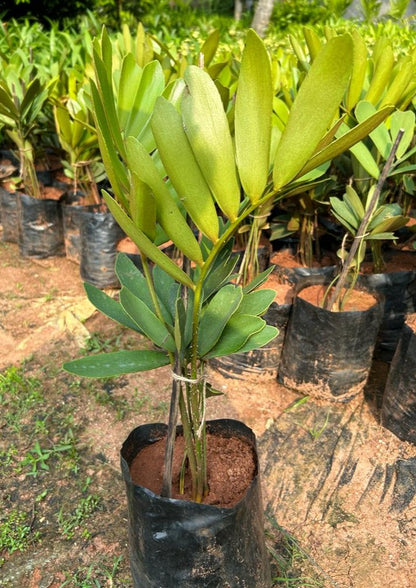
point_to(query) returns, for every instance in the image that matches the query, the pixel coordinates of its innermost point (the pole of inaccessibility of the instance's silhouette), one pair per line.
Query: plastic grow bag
(398, 412)
(100, 234)
(40, 227)
(181, 543)
(72, 215)
(329, 354)
(396, 287)
(8, 203)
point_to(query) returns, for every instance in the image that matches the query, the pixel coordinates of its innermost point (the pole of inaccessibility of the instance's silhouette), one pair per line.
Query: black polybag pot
(329, 354)
(398, 412)
(40, 227)
(8, 203)
(182, 543)
(100, 235)
(396, 287)
(72, 215)
(259, 361)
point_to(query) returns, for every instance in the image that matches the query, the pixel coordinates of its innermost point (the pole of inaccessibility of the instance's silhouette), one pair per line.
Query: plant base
(181, 543)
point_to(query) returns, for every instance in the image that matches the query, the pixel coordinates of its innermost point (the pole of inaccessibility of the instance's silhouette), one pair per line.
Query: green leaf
(366, 160)
(256, 303)
(147, 321)
(258, 280)
(314, 109)
(381, 76)
(132, 278)
(142, 206)
(359, 68)
(144, 244)
(215, 316)
(347, 140)
(406, 121)
(107, 99)
(380, 136)
(209, 48)
(208, 132)
(182, 168)
(168, 213)
(260, 339)
(128, 86)
(313, 42)
(238, 330)
(398, 86)
(109, 307)
(152, 84)
(354, 201)
(343, 213)
(114, 168)
(109, 365)
(253, 117)
(167, 289)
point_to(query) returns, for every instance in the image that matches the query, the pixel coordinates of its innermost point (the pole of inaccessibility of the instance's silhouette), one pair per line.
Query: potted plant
(199, 179)
(335, 330)
(83, 170)
(22, 97)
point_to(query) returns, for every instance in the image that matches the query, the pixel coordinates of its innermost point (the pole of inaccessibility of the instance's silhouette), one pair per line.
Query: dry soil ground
(339, 490)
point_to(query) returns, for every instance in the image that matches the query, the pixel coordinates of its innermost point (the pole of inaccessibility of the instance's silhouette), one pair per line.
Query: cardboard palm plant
(199, 180)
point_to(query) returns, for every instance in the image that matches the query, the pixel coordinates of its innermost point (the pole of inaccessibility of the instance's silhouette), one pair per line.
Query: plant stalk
(329, 303)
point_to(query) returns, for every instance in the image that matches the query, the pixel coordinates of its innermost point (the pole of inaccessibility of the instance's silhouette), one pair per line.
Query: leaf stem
(360, 234)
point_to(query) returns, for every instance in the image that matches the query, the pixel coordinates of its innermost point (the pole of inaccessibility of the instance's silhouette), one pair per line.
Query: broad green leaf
(167, 289)
(147, 321)
(343, 213)
(168, 213)
(381, 76)
(347, 140)
(400, 82)
(152, 84)
(132, 278)
(209, 48)
(256, 303)
(354, 202)
(128, 86)
(208, 132)
(144, 244)
(313, 42)
(359, 68)
(380, 136)
(258, 280)
(366, 160)
(389, 225)
(220, 272)
(253, 117)
(260, 339)
(406, 121)
(109, 307)
(183, 170)
(114, 168)
(238, 330)
(314, 109)
(109, 365)
(215, 316)
(142, 207)
(107, 100)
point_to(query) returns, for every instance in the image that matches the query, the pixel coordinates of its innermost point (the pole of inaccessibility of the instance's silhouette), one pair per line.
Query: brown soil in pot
(356, 300)
(231, 469)
(287, 258)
